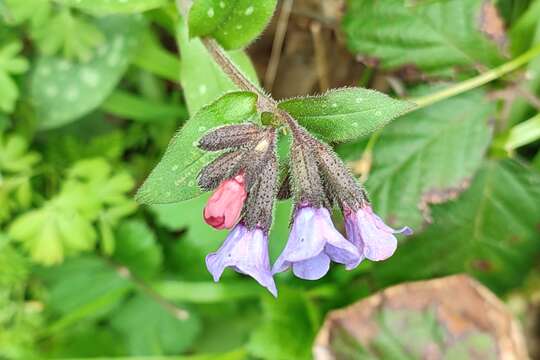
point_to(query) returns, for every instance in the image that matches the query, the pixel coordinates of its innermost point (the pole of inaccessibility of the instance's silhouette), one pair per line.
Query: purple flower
(313, 242)
(246, 251)
(372, 237)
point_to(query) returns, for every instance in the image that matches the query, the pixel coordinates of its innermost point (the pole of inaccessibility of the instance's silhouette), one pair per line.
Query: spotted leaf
(175, 176)
(233, 24)
(63, 90)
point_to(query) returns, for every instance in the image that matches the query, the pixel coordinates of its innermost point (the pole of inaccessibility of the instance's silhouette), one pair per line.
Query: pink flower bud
(223, 209)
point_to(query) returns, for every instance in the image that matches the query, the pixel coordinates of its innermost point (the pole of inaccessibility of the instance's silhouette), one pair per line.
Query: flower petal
(247, 252)
(312, 269)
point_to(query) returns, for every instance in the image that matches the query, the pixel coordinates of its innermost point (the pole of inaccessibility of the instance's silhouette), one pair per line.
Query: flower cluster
(245, 180)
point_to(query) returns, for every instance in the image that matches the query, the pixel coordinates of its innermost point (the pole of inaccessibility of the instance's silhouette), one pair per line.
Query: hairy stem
(264, 102)
(478, 80)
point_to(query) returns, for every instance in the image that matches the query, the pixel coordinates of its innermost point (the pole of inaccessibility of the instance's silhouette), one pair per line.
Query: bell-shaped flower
(222, 211)
(313, 243)
(372, 237)
(246, 251)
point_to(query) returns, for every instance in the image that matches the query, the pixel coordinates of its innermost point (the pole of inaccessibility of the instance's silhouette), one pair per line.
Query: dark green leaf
(83, 288)
(175, 177)
(137, 248)
(490, 232)
(345, 114)
(288, 328)
(437, 36)
(429, 156)
(158, 332)
(233, 24)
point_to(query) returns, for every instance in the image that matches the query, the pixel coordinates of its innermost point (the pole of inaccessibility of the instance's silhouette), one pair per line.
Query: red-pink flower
(223, 209)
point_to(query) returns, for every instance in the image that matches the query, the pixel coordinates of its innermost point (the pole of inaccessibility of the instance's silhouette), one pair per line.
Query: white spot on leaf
(210, 12)
(90, 77)
(249, 11)
(51, 91)
(72, 94)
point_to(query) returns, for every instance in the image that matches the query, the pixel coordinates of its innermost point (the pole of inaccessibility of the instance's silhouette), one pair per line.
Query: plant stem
(179, 313)
(478, 80)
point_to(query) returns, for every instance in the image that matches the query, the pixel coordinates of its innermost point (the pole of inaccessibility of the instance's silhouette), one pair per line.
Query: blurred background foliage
(91, 91)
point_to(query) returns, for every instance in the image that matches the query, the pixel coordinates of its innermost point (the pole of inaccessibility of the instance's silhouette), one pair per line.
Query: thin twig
(124, 272)
(277, 44)
(321, 63)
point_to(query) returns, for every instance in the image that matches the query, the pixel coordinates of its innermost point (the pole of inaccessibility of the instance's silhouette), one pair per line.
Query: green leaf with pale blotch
(428, 156)
(491, 231)
(437, 37)
(159, 331)
(175, 177)
(345, 114)
(233, 24)
(63, 91)
(202, 79)
(104, 7)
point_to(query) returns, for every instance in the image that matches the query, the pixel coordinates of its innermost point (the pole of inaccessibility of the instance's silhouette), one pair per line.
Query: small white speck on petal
(210, 12)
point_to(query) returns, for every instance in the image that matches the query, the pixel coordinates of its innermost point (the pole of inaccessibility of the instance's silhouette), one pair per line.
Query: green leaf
(130, 106)
(137, 248)
(234, 24)
(209, 292)
(83, 288)
(15, 156)
(345, 114)
(288, 328)
(429, 156)
(438, 37)
(63, 91)
(489, 232)
(51, 232)
(158, 331)
(526, 32)
(153, 58)
(13, 266)
(175, 177)
(72, 36)
(202, 79)
(34, 11)
(10, 64)
(104, 7)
